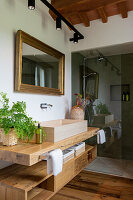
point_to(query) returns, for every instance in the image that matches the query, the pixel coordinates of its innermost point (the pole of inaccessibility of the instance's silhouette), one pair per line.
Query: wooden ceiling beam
(77, 11)
(69, 6)
(123, 9)
(102, 14)
(84, 19)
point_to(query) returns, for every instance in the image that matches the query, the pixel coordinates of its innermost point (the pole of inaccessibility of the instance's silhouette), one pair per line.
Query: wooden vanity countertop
(29, 153)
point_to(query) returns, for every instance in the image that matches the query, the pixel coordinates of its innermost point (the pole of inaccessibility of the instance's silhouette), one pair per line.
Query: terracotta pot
(10, 139)
(77, 113)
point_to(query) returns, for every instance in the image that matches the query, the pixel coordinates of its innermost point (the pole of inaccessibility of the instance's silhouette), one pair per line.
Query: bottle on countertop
(39, 135)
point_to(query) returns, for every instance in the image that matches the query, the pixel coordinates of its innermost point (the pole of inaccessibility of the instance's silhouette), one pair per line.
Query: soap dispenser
(39, 135)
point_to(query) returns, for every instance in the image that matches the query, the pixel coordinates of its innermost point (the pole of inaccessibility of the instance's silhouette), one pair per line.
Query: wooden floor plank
(96, 186)
(72, 194)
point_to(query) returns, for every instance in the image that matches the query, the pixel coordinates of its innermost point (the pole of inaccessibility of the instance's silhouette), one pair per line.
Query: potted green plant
(102, 109)
(103, 115)
(14, 122)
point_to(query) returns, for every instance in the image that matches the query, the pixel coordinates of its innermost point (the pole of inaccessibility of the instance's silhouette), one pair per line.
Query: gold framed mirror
(39, 67)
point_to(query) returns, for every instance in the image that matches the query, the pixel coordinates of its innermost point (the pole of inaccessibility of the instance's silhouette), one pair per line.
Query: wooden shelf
(24, 178)
(29, 153)
(34, 193)
(39, 194)
(32, 183)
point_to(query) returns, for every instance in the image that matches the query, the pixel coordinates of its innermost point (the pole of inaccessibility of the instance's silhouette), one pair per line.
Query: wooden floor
(95, 186)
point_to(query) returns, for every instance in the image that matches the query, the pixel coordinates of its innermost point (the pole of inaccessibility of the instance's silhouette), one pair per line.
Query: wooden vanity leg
(2, 193)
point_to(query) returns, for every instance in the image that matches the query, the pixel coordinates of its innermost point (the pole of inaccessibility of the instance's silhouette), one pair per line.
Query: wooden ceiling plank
(69, 6)
(84, 19)
(70, 21)
(64, 3)
(52, 14)
(102, 14)
(123, 9)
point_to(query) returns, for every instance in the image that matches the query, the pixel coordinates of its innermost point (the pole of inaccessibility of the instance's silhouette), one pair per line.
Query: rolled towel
(55, 162)
(101, 137)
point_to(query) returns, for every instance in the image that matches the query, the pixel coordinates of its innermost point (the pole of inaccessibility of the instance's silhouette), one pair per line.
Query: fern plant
(102, 109)
(16, 117)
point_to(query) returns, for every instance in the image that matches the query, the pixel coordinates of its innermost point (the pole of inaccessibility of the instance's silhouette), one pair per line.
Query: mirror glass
(39, 68)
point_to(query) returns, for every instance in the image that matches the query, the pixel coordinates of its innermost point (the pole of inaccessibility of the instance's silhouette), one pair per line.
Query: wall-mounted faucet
(45, 106)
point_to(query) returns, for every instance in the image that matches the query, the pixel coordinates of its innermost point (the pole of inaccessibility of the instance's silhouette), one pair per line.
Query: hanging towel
(55, 162)
(101, 137)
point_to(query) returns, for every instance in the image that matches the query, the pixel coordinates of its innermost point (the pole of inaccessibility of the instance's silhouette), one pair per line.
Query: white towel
(101, 137)
(55, 162)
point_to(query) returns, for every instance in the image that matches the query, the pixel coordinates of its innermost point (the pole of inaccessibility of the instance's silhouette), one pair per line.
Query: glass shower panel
(127, 106)
(115, 99)
(108, 103)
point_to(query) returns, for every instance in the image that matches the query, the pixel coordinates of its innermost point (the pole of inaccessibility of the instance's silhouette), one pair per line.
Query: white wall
(116, 31)
(15, 15)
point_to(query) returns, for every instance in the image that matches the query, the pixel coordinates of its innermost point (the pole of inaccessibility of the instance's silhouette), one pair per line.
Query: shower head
(93, 73)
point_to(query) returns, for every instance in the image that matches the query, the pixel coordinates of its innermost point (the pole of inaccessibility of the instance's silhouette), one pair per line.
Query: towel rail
(44, 156)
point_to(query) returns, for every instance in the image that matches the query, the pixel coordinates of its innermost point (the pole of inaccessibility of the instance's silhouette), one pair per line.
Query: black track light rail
(79, 35)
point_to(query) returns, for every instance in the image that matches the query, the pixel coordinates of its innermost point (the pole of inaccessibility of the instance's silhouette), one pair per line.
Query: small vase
(77, 113)
(10, 139)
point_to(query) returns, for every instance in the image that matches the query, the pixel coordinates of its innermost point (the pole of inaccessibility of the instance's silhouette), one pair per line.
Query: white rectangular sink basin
(61, 129)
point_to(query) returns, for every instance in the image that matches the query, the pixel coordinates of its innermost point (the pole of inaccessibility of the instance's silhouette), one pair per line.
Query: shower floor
(123, 168)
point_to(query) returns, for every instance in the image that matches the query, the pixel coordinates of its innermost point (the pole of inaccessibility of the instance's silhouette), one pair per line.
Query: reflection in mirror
(39, 68)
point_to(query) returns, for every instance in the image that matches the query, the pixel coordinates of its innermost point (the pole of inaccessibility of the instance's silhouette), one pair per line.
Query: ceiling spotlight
(100, 58)
(58, 23)
(75, 38)
(31, 4)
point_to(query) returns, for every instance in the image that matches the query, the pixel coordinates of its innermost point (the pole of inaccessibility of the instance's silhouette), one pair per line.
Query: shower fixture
(85, 76)
(101, 58)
